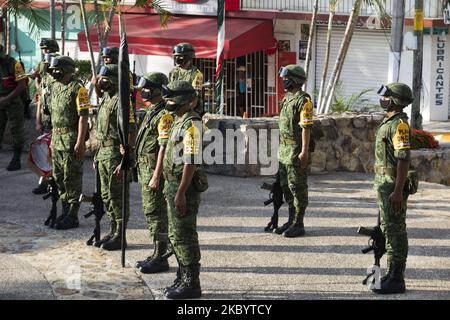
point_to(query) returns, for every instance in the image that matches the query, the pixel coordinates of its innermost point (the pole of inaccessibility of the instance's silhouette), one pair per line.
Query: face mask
(148, 94)
(288, 83)
(179, 60)
(385, 104)
(57, 75)
(172, 107)
(104, 85)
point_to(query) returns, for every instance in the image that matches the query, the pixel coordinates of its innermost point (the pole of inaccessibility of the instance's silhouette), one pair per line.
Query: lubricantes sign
(197, 7)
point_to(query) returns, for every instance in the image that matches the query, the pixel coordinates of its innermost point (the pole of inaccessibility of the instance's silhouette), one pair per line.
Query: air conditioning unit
(447, 14)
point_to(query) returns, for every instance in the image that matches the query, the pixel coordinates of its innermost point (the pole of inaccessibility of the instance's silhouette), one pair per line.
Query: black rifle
(275, 197)
(377, 244)
(96, 207)
(164, 237)
(52, 192)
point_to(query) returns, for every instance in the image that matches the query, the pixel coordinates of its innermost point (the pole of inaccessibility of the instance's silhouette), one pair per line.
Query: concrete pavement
(239, 260)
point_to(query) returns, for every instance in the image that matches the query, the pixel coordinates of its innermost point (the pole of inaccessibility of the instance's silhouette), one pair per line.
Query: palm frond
(158, 6)
(380, 8)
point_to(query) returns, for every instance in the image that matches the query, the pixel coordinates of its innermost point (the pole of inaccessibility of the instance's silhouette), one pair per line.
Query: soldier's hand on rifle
(396, 199)
(122, 150)
(303, 157)
(118, 173)
(80, 149)
(180, 203)
(94, 80)
(154, 183)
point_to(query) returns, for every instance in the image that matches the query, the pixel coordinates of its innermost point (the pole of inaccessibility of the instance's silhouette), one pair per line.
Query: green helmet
(184, 49)
(152, 80)
(180, 92)
(293, 72)
(65, 63)
(110, 72)
(49, 44)
(399, 93)
(112, 52)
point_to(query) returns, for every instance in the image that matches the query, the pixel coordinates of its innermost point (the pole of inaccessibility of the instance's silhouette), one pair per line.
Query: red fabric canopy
(146, 36)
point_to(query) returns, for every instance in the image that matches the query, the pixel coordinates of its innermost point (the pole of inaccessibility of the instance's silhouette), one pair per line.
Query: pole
(416, 117)
(312, 30)
(52, 20)
(395, 56)
(220, 55)
(88, 38)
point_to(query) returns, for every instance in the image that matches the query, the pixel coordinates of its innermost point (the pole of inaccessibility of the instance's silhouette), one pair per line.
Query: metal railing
(432, 8)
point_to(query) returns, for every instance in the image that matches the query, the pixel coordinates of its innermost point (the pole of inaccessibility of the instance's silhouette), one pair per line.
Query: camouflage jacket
(11, 72)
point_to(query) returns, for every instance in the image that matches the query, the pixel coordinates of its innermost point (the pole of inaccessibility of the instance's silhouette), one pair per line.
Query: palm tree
(310, 39)
(63, 26)
(332, 9)
(353, 18)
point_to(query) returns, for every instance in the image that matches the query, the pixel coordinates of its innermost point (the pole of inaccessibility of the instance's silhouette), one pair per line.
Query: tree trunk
(63, 26)
(310, 39)
(104, 43)
(335, 75)
(8, 33)
(100, 38)
(88, 37)
(326, 63)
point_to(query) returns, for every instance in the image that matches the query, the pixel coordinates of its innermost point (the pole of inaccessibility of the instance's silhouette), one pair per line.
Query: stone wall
(433, 165)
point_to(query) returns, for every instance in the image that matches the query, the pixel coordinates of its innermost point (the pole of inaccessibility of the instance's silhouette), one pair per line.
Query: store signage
(197, 7)
(441, 47)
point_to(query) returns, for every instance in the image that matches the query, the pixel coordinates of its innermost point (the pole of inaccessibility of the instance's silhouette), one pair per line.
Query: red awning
(146, 36)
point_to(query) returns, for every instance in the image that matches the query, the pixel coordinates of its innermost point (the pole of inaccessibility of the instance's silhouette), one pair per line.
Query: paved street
(239, 261)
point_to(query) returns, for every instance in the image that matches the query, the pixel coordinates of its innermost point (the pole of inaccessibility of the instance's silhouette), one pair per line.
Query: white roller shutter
(367, 62)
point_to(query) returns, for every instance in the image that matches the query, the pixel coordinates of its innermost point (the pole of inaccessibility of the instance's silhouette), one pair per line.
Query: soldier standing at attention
(180, 189)
(150, 147)
(296, 119)
(183, 54)
(12, 84)
(69, 108)
(108, 156)
(392, 159)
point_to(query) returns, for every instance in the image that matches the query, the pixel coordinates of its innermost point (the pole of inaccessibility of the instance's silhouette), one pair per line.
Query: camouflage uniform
(44, 96)
(11, 72)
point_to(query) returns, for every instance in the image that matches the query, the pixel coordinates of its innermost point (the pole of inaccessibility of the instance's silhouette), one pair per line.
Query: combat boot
(14, 164)
(157, 263)
(177, 282)
(41, 188)
(297, 229)
(190, 284)
(396, 281)
(388, 270)
(285, 226)
(109, 235)
(70, 221)
(65, 211)
(115, 243)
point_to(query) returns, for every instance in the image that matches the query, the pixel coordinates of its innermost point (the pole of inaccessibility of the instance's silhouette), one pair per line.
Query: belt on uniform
(287, 141)
(62, 130)
(147, 158)
(108, 143)
(385, 171)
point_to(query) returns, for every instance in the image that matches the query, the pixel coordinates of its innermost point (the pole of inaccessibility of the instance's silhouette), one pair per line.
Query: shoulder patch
(19, 73)
(191, 140)
(306, 113)
(164, 126)
(401, 138)
(83, 102)
(197, 83)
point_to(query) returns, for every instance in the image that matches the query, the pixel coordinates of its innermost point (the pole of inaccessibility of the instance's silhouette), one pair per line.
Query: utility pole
(398, 19)
(52, 20)
(416, 117)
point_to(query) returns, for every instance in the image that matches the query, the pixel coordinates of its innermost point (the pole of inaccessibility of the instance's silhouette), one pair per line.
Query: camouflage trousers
(393, 225)
(183, 230)
(14, 114)
(68, 174)
(294, 183)
(111, 189)
(153, 202)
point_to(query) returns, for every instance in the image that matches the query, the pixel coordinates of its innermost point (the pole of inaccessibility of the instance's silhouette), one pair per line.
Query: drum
(39, 156)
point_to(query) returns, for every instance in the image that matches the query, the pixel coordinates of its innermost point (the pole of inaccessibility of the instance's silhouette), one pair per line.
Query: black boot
(388, 270)
(65, 211)
(157, 263)
(70, 221)
(14, 165)
(178, 280)
(41, 188)
(109, 235)
(190, 284)
(285, 226)
(115, 243)
(297, 229)
(396, 281)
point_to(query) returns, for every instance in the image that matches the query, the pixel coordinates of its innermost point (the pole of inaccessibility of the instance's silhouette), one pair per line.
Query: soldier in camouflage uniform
(183, 54)
(295, 122)
(182, 196)
(150, 147)
(392, 159)
(69, 108)
(108, 156)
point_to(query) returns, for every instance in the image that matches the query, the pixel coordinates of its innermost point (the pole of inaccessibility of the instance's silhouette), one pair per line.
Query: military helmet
(179, 91)
(49, 44)
(152, 80)
(293, 72)
(399, 93)
(110, 72)
(184, 49)
(112, 52)
(65, 63)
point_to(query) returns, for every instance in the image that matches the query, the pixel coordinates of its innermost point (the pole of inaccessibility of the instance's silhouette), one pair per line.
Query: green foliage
(83, 70)
(356, 102)
(24, 8)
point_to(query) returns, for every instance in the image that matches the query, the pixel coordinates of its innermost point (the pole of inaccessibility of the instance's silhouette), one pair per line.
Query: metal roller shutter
(367, 62)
